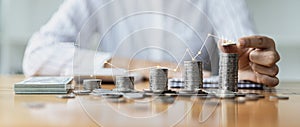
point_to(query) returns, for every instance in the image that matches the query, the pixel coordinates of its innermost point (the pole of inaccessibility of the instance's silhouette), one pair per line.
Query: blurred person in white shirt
(51, 50)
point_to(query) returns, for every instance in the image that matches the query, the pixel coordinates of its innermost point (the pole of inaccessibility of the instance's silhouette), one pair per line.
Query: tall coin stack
(193, 75)
(228, 71)
(158, 79)
(124, 83)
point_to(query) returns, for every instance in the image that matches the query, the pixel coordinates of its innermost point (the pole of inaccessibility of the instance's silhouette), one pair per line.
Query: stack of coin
(124, 83)
(158, 79)
(228, 71)
(91, 84)
(193, 75)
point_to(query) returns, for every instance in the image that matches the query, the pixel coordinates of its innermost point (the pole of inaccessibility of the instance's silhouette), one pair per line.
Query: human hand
(257, 59)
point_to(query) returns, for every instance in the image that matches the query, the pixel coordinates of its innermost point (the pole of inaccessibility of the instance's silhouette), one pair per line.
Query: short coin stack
(228, 71)
(158, 79)
(124, 83)
(91, 84)
(193, 75)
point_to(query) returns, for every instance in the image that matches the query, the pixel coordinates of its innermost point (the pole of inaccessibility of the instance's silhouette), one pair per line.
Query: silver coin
(101, 94)
(240, 100)
(256, 94)
(102, 91)
(171, 94)
(35, 105)
(82, 92)
(261, 96)
(279, 97)
(225, 96)
(252, 97)
(66, 96)
(240, 94)
(158, 91)
(149, 94)
(112, 95)
(96, 94)
(134, 95)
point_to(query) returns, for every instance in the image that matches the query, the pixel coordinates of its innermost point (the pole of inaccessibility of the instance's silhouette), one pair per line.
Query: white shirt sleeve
(51, 50)
(231, 18)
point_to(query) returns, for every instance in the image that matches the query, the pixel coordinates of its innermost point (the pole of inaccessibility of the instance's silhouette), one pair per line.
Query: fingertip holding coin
(228, 43)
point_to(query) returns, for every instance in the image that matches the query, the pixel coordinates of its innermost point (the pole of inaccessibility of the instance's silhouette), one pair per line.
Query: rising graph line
(187, 51)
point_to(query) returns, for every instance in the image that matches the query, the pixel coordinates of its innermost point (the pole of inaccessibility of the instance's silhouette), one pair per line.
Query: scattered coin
(279, 97)
(112, 95)
(240, 94)
(252, 97)
(240, 100)
(158, 91)
(256, 94)
(148, 94)
(261, 96)
(81, 92)
(134, 95)
(171, 94)
(225, 96)
(102, 91)
(35, 105)
(66, 96)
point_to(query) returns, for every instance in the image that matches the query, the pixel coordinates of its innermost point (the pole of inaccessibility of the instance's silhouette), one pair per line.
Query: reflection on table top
(48, 110)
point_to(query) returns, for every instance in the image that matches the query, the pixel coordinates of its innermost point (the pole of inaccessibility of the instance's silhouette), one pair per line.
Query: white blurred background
(280, 19)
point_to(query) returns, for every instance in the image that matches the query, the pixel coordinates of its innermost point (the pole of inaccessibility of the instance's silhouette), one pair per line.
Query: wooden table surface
(48, 110)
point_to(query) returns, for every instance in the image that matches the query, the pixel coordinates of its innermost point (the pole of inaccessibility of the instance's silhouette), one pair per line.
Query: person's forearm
(47, 58)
